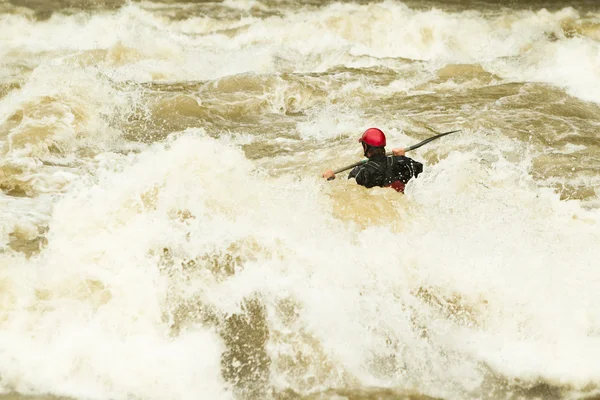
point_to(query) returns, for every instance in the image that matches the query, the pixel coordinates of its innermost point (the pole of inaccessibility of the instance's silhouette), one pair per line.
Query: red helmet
(373, 137)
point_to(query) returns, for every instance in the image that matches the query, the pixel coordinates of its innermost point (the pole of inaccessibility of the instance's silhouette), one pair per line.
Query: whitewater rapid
(165, 233)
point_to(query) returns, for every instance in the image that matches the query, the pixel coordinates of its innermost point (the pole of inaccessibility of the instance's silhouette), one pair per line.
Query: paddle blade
(416, 146)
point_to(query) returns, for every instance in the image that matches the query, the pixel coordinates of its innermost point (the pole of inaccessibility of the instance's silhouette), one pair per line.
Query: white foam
(522, 261)
(475, 228)
(315, 40)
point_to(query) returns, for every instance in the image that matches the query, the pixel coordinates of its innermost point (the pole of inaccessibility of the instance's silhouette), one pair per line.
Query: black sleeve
(362, 176)
(417, 167)
(407, 168)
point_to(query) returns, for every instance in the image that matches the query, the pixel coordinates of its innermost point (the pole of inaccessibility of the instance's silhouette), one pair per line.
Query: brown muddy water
(165, 232)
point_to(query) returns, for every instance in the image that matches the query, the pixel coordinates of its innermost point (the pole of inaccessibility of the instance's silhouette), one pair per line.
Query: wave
(154, 270)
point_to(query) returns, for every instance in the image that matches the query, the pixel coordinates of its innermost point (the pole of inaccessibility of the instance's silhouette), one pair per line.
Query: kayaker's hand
(398, 151)
(329, 175)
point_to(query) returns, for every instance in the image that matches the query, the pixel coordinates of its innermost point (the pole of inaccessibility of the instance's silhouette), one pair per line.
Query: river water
(165, 232)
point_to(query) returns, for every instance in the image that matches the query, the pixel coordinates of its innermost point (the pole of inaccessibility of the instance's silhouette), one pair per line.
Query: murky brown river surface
(165, 232)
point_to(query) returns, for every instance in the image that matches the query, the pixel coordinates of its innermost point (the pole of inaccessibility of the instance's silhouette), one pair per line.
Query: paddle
(389, 153)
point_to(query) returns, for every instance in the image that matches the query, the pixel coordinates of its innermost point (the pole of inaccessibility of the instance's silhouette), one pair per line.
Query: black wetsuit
(394, 171)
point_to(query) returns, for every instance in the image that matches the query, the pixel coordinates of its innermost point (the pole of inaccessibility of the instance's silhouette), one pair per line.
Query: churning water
(165, 233)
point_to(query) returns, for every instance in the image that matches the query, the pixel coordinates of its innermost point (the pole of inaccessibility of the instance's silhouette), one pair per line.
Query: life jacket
(387, 172)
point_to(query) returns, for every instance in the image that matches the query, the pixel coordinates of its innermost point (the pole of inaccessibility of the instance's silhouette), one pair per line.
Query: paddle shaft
(389, 153)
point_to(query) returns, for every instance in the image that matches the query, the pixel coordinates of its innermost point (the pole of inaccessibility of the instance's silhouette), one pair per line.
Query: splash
(183, 269)
(152, 261)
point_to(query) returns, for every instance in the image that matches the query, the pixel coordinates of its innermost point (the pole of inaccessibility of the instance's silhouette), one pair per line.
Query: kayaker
(381, 170)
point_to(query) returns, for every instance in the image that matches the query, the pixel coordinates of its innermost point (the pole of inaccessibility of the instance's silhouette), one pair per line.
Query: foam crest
(525, 252)
(569, 64)
(183, 270)
(528, 45)
(48, 120)
(193, 223)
